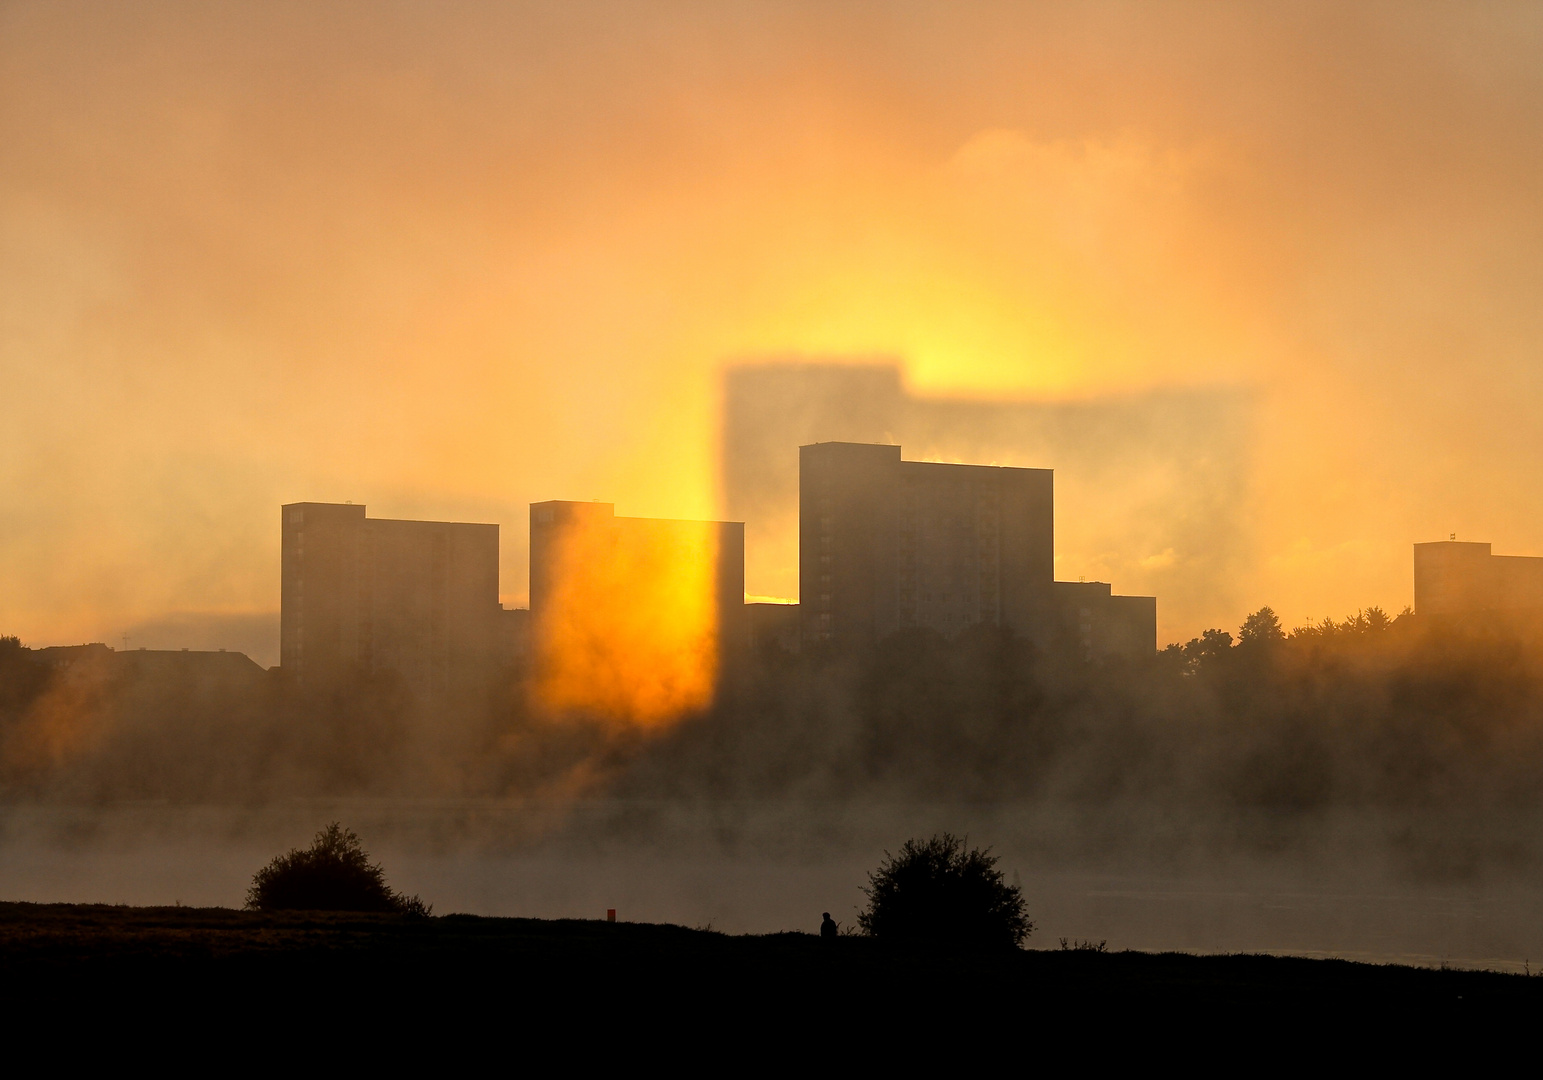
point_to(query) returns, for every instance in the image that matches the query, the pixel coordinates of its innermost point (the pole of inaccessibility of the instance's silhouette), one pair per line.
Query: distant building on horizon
(157, 684)
(370, 596)
(176, 663)
(887, 544)
(1457, 577)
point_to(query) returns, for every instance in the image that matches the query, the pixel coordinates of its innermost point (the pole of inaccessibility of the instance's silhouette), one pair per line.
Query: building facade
(1096, 623)
(772, 626)
(1454, 577)
(886, 544)
(369, 596)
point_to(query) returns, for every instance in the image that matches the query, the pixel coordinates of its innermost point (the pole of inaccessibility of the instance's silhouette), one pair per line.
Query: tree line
(1368, 711)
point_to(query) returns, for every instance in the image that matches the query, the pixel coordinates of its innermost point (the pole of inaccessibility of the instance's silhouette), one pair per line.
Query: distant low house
(153, 684)
(183, 664)
(67, 656)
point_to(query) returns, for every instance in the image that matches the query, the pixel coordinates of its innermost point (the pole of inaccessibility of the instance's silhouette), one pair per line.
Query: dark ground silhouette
(180, 959)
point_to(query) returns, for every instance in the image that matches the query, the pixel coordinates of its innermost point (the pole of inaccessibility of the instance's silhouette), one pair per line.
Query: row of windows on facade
(968, 618)
(987, 579)
(927, 598)
(909, 527)
(908, 592)
(953, 573)
(908, 617)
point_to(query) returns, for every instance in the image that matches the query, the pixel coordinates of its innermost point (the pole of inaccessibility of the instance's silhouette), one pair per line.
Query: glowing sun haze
(451, 259)
(629, 633)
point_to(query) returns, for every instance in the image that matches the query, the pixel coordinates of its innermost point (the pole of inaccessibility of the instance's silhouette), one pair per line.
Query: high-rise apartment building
(886, 544)
(418, 599)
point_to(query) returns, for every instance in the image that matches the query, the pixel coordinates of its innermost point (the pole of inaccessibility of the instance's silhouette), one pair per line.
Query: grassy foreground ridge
(58, 952)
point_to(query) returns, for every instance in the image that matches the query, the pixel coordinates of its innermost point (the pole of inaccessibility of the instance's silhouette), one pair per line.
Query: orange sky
(449, 259)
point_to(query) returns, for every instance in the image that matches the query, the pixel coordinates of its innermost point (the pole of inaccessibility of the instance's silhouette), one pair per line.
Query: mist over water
(1365, 789)
(748, 868)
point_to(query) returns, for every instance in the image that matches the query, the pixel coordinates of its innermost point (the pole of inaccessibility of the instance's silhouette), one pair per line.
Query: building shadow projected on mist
(1148, 487)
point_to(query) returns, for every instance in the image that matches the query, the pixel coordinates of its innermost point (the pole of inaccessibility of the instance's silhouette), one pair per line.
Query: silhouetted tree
(1201, 652)
(1373, 620)
(20, 677)
(942, 891)
(1261, 628)
(333, 874)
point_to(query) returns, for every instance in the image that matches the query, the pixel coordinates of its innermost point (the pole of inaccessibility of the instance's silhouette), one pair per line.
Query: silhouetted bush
(942, 891)
(333, 874)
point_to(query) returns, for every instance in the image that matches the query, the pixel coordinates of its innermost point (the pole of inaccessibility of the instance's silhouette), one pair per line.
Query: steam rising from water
(749, 867)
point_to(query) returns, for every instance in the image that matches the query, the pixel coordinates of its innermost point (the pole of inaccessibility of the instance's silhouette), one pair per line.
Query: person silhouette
(828, 928)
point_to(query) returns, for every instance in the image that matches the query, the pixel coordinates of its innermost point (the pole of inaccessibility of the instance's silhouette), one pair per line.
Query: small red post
(610, 914)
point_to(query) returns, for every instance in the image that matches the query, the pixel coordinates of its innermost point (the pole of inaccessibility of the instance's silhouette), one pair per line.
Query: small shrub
(1077, 945)
(333, 874)
(941, 891)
